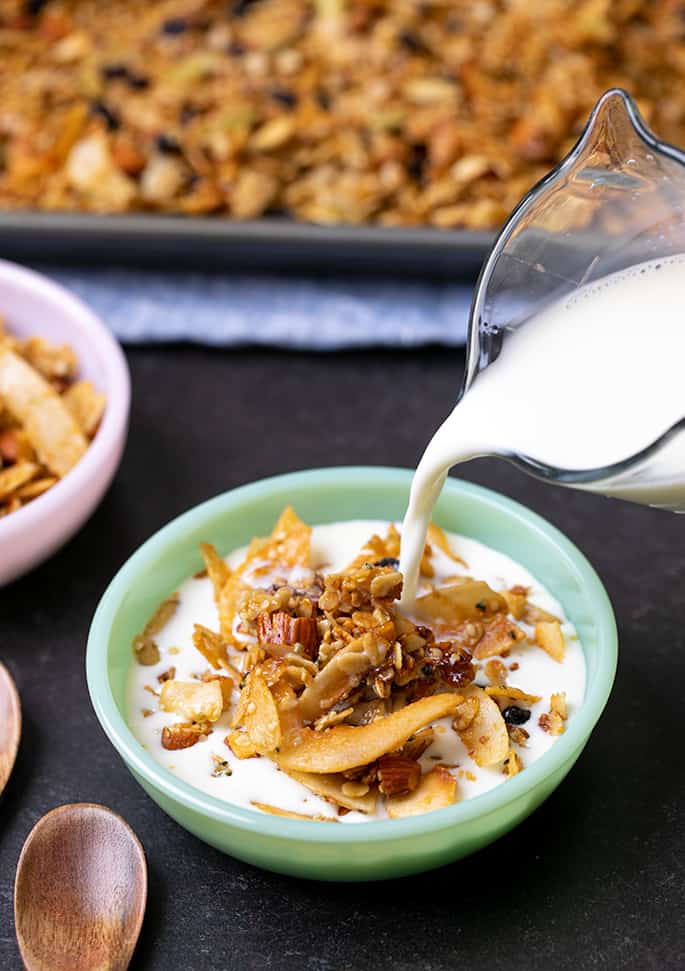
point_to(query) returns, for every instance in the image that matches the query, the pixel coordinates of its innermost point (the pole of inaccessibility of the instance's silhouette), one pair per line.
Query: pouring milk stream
(591, 380)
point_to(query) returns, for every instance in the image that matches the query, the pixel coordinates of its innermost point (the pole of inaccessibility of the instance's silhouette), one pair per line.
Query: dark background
(594, 879)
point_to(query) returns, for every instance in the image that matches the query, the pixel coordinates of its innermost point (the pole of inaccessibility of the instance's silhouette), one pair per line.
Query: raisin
(34, 7)
(174, 26)
(388, 561)
(111, 120)
(137, 81)
(111, 72)
(411, 42)
(417, 161)
(167, 145)
(284, 97)
(236, 49)
(240, 7)
(513, 715)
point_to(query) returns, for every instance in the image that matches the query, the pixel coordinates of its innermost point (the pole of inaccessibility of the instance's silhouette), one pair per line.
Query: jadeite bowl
(328, 851)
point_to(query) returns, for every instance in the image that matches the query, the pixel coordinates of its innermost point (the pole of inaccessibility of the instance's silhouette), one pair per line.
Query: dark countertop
(594, 879)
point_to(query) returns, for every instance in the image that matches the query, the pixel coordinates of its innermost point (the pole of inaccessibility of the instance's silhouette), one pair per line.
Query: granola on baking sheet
(402, 113)
(318, 672)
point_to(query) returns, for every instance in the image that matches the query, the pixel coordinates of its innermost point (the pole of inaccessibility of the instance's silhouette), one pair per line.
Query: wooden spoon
(80, 891)
(10, 725)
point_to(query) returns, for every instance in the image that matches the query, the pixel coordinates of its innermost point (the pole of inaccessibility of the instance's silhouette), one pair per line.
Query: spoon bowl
(10, 725)
(80, 891)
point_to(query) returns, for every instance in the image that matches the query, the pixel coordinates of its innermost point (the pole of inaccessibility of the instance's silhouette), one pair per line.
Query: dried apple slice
(346, 747)
(436, 790)
(332, 787)
(276, 811)
(486, 737)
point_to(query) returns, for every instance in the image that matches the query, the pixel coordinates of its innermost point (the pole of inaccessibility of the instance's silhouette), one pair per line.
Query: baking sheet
(277, 244)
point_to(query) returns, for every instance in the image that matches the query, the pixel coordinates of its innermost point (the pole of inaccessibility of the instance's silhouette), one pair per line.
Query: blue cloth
(221, 310)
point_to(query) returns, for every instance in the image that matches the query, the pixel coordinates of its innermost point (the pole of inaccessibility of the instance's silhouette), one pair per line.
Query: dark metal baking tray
(215, 243)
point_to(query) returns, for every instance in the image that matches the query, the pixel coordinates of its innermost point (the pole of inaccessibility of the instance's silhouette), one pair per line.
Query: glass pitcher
(617, 200)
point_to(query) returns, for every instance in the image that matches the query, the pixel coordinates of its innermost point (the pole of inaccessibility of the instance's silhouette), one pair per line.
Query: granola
(48, 417)
(331, 111)
(351, 706)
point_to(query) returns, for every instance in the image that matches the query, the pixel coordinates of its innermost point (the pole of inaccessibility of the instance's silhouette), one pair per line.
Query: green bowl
(327, 851)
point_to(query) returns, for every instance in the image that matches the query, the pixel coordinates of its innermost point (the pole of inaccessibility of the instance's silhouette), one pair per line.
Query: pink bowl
(33, 305)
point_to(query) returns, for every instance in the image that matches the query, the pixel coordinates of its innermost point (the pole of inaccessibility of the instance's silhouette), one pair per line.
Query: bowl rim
(92, 331)
(144, 766)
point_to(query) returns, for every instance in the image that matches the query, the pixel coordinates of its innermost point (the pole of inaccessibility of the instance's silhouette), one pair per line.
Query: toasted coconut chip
(533, 614)
(289, 545)
(86, 405)
(516, 602)
(464, 599)
(500, 635)
(162, 615)
(347, 747)
(218, 570)
(438, 537)
(339, 790)
(436, 790)
(486, 737)
(210, 645)
(241, 746)
(496, 671)
(507, 693)
(49, 425)
(15, 477)
(229, 599)
(289, 542)
(50, 360)
(343, 673)
(377, 548)
(275, 811)
(36, 488)
(258, 714)
(549, 636)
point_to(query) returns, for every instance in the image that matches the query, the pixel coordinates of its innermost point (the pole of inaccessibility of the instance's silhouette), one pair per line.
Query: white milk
(590, 381)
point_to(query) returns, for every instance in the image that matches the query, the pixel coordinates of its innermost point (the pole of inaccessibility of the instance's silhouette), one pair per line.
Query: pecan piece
(397, 774)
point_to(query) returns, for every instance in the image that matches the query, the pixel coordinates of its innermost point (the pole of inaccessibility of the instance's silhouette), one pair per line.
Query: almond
(397, 774)
(281, 628)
